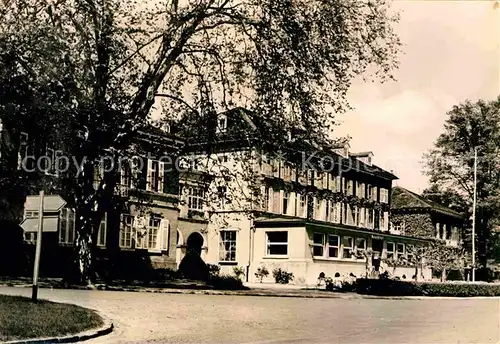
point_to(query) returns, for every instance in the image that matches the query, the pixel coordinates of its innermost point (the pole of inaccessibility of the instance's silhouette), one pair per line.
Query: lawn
(20, 318)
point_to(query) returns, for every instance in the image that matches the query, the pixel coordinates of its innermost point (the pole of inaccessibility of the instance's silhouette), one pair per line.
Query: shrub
(213, 269)
(261, 273)
(225, 282)
(239, 272)
(389, 287)
(282, 276)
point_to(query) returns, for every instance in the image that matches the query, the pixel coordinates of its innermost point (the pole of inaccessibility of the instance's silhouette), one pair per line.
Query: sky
(450, 53)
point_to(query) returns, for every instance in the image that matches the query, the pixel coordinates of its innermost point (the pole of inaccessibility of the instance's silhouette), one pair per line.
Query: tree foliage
(290, 61)
(450, 164)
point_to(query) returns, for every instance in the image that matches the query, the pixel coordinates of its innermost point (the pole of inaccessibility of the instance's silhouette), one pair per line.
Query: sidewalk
(255, 289)
(189, 287)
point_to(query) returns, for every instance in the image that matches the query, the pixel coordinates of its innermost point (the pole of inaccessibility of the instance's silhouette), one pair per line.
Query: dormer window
(365, 157)
(221, 124)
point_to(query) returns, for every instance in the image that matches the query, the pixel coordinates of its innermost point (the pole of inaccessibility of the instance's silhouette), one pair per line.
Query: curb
(105, 329)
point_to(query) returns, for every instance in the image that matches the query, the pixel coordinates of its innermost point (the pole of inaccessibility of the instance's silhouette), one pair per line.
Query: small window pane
(278, 249)
(319, 238)
(281, 237)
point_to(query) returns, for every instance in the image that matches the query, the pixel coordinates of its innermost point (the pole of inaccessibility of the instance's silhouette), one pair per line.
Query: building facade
(244, 205)
(415, 215)
(308, 220)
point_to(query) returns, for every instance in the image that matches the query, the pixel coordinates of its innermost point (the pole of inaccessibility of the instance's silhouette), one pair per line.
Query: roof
(245, 128)
(289, 222)
(406, 199)
(361, 154)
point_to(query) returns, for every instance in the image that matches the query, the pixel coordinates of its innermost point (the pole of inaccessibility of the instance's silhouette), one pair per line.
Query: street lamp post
(474, 218)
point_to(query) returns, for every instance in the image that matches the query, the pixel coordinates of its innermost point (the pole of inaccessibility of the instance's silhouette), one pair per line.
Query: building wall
(239, 222)
(307, 268)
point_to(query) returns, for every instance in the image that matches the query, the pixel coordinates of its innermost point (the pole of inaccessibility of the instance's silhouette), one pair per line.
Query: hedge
(389, 287)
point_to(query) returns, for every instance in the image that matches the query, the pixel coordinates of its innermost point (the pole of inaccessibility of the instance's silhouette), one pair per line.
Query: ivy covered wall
(417, 225)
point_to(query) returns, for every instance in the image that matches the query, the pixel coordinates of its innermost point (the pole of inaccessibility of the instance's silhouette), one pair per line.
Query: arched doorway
(195, 242)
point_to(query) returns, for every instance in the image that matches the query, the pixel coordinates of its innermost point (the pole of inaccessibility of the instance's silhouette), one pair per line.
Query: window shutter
(350, 219)
(362, 214)
(161, 174)
(163, 234)
(143, 176)
(149, 171)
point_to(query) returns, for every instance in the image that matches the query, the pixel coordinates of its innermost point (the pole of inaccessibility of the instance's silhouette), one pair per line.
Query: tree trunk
(416, 272)
(85, 255)
(443, 275)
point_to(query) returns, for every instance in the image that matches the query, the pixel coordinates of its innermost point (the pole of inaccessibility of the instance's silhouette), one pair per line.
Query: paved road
(177, 318)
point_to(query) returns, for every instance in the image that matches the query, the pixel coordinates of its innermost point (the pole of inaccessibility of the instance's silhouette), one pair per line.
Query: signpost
(46, 205)
(34, 294)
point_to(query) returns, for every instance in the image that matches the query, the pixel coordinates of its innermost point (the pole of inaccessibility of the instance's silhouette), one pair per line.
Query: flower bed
(387, 287)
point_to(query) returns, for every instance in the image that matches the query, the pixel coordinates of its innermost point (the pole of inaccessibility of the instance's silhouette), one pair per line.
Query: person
(321, 279)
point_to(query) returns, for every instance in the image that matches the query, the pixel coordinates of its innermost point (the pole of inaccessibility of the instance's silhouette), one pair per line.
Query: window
(227, 251)
(265, 206)
(369, 191)
(398, 226)
(286, 198)
(383, 222)
(287, 172)
(277, 243)
(319, 180)
(384, 195)
(153, 176)
(360, 190)
(127, 222)
(370, 220)
(221, 124)
(349, 187)
(390, 250)
(401, 250)
(195, 198)
(126, 173)
(311, 177)
(333, 246)
(301, 205)
(101, 235)
(148, 233)
(317, 208)
(360, 244)
(374, 193)
(410, 252)
(338, 184)
(318, 244)
(276, 202)
(67, 226)
(348, 249)
(357, 216)
(153, 231)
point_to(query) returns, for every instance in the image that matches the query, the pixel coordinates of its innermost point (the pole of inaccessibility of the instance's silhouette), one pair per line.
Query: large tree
(289, 61)
(450, 164)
